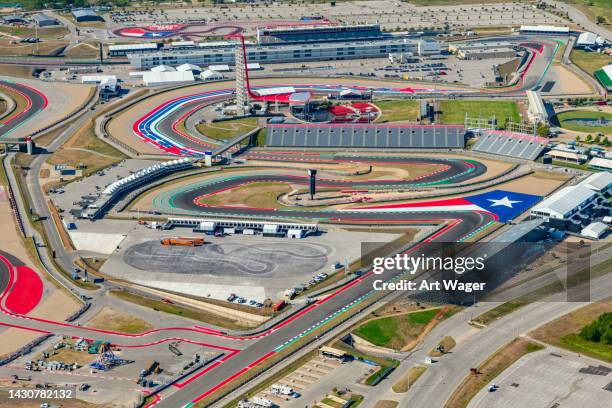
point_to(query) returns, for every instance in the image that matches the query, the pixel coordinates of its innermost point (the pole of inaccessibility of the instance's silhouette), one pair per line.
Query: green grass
(598, 350)
(453, 111)
(227, 129)
(589, 62)
(563, 117)
(395, 111)
(395, 331)
(499, 311)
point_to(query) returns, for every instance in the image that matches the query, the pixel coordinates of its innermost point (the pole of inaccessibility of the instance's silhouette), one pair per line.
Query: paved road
(582, 20)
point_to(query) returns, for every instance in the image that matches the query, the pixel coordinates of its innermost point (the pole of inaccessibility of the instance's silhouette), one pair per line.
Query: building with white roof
(594, 230)
(600, 182)
(153, 78)
(121, 50)
(604, 76)
(599, 163)
(589, 40)
(545, 29)
(564, 203)
(537, 110)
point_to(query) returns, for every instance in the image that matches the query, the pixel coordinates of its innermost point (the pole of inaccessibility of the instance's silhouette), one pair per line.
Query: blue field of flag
(505, 204)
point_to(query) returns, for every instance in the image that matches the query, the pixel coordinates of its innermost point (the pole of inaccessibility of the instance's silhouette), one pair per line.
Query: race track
(35, 102)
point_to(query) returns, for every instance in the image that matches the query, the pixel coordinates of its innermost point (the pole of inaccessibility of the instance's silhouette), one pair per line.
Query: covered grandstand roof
(504, 143)
(366, 135)
(604, 76)
(274, 91)
(601, 164)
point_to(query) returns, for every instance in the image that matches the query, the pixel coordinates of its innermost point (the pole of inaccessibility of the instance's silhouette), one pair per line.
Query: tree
(578, 138)
(600, 19)
(543, 130)
(589, 139)
(597, 139)
(605, 141)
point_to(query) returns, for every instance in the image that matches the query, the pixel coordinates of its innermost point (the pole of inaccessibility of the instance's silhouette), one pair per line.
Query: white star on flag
(506, 202)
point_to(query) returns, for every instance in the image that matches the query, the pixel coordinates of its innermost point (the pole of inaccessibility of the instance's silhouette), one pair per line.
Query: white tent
(162, 68)
(189, 67)
(159, 78)
(210, 75)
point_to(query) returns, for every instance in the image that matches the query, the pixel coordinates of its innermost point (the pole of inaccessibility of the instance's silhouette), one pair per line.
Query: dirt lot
(110, 319)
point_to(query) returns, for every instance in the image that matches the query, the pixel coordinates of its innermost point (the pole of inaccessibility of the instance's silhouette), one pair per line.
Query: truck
(278, 305)
(183, 241)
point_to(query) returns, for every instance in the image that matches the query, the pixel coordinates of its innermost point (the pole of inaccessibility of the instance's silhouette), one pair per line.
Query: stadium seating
(366, 136)
(511, 144)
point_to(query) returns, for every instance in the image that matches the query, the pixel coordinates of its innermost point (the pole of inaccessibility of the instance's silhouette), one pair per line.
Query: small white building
(220, 68)
(594, 230)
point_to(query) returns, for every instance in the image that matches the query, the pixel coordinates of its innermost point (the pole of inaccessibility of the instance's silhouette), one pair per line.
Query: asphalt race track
(35, 102)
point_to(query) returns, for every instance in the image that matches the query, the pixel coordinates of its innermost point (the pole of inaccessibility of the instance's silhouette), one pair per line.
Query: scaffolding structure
(242, 96)
(480, 125)
(106, 359)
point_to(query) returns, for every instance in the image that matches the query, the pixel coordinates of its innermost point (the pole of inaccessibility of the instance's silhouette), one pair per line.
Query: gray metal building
(279, 53)
(84, 15)
(399, 136)
(42, 20)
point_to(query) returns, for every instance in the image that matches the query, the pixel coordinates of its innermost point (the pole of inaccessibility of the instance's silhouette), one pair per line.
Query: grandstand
(286, 35)
(366, 136)
(511, 144)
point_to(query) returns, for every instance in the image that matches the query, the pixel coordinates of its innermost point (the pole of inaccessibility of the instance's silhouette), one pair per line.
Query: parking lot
(401, 16)
(547, 379)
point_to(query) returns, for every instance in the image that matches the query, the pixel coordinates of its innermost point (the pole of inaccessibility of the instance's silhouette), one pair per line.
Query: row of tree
(600, 331)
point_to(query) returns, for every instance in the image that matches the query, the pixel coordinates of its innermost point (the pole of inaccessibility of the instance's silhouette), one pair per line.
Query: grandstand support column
(241, 82)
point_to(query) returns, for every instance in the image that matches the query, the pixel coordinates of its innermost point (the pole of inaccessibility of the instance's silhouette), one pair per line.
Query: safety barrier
(78, 313)
(25, 349)
(12, 202)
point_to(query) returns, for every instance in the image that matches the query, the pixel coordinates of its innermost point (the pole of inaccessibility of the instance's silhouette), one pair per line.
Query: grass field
(491, 368)
(453, 112)
(44, 48)
(396, 111)
(589, 62)
(562, 120)
(260, 195)
(187, 312)
(448, 342)
(83, 50)
(227, 129)
(404, 383)
(395, 331)
(86, 150)
(563, 332)
(110, 319)
(46, 32)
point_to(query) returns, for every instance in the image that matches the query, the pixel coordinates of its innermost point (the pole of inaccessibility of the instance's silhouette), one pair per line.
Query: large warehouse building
(281, 53)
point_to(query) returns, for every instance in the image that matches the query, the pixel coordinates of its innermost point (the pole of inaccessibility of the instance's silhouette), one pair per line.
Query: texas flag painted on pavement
(504, 204)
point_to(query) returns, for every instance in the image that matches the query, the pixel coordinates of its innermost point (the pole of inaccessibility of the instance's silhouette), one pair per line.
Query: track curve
(36, 101)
